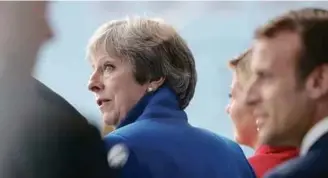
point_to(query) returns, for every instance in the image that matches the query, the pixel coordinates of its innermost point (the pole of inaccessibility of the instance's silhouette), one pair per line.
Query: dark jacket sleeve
(49, 140)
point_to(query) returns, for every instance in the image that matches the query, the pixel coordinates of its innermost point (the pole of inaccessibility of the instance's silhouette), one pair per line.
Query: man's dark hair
(311, 24)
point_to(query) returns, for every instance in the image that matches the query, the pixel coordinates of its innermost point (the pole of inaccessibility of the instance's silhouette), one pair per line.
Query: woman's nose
(95, 83)
(227, 109)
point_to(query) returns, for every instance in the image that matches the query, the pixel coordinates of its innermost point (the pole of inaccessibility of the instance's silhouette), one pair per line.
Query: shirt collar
(314, 134)
(269, 149)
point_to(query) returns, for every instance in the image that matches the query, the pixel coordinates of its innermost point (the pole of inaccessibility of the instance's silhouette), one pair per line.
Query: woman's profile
(143, 78)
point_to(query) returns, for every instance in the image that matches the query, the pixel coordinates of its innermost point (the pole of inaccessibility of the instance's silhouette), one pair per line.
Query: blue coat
(162, 144)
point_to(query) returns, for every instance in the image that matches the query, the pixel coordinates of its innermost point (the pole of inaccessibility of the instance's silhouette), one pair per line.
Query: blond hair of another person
(241, 114)
(246, 129)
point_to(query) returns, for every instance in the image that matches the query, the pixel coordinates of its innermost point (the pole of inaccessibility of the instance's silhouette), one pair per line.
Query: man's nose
(95, 83)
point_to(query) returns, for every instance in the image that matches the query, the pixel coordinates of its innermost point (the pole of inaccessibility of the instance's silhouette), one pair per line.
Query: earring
(150, 89)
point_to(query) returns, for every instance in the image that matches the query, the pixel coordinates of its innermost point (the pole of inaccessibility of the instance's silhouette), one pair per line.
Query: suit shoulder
(310, 165)
(51, 97)
(58, 109)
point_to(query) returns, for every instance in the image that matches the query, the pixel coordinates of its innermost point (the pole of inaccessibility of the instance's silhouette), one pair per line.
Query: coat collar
(160, 104)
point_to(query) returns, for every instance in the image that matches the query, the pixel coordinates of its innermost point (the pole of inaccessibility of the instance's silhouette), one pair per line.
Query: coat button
(118, 156)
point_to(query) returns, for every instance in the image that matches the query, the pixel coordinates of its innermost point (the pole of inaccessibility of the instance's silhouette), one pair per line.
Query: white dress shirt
(313, 135)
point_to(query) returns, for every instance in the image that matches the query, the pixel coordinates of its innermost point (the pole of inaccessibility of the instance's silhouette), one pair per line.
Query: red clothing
(267, 157)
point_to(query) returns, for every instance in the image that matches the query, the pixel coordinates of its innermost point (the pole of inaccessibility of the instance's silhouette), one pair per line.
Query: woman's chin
(239, 139)
(109, 120)
(236, 138)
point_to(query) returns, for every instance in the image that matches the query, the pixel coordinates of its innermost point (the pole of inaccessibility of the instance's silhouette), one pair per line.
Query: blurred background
(215, 31)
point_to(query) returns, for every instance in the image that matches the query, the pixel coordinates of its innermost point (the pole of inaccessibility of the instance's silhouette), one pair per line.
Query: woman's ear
(154, 85)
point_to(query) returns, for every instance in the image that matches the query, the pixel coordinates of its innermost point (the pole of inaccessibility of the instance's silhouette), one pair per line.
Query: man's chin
(266, 136)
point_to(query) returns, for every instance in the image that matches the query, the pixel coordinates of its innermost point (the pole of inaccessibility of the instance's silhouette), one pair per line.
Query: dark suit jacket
(313, 165)
(43, 136)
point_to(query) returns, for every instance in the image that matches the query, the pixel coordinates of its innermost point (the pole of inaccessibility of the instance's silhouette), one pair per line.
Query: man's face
(281, 107)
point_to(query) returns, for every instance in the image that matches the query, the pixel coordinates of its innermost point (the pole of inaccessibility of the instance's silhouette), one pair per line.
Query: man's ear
(317, 82)
(154, 85)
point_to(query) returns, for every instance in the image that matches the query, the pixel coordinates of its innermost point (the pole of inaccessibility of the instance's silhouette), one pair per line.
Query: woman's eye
(109, 67)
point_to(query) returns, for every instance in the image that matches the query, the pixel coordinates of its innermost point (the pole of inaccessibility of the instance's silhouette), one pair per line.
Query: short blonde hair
(241, 65)
(154, 49)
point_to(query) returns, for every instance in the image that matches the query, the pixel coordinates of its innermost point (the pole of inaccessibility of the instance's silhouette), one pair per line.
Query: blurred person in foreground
(289, 89)
(41, 134)
(143, 78)
(266, 156)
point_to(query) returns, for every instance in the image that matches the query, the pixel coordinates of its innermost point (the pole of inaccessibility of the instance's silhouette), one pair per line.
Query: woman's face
(114, 85)
(242, 116)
